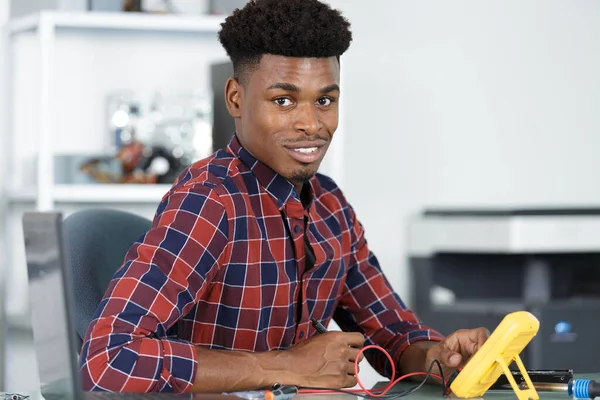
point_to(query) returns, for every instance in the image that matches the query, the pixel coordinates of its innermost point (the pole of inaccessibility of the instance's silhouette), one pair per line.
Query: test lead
(318, 325)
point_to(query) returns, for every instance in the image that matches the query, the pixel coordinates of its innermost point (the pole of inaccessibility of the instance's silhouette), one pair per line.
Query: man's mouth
(306, 150)
(304, 153)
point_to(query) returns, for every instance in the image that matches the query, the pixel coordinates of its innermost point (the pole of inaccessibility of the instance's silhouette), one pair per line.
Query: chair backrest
(97, 241)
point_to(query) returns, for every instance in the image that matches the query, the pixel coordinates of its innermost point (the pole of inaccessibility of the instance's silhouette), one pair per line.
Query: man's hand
(456, 350)
(323, 361)
(326, 360)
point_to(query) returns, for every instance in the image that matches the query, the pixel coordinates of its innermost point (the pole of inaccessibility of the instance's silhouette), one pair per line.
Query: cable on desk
(382, 393)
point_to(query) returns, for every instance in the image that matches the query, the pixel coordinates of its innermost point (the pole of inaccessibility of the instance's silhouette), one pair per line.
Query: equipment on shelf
(188, 7)
(139, 164)
(155, 136)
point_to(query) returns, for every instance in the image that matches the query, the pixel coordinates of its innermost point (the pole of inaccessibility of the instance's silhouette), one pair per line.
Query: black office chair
(97, 241)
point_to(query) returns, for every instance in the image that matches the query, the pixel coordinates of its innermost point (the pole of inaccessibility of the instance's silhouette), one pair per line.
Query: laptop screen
(51, 315)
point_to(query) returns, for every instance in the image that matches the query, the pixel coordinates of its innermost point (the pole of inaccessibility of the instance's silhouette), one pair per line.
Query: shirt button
(301, 334)
(297, 228)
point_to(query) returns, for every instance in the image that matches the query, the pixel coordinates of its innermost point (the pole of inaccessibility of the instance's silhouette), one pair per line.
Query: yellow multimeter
(495, 356)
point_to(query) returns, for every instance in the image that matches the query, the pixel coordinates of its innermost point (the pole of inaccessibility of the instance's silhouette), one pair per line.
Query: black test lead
(318, 326)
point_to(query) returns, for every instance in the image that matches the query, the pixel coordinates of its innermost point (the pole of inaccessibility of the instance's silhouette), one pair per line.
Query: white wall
(467, 103)
(23, 7)
(4, 11)
(4, 14)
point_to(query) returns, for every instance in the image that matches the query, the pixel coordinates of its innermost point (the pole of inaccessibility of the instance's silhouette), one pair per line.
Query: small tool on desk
(578, 388)
(280, 393)
(552, 381)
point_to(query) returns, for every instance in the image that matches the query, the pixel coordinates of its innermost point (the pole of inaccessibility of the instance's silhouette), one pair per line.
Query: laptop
(53, 322)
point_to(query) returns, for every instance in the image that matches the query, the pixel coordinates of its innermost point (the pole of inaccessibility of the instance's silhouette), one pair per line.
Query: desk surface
(427, 392)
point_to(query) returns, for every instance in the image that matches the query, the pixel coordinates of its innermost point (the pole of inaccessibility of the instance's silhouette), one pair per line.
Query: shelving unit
(50, 34)
(105, 193)
(151, 194)
(117, 21)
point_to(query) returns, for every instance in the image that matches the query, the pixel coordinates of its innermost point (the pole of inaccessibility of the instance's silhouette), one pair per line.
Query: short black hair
(291, 28)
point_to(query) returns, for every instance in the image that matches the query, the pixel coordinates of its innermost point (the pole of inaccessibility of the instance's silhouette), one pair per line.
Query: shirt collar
(276, 185)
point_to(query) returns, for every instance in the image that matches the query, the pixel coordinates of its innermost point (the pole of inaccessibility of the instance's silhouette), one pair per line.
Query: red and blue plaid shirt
(223, 267)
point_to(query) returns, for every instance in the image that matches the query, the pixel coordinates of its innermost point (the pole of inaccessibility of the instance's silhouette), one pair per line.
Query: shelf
(21, 196)
(97, 193)
(118, 21)
(106, 193)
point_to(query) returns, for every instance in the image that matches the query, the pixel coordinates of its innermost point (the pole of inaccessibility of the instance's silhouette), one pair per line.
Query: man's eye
(283, 101)
(324, 101)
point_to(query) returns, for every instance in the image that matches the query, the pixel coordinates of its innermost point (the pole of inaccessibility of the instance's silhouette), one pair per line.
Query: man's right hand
(322, 361)
(326, 360)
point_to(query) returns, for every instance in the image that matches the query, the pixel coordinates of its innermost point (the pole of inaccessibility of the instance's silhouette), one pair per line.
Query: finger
(351, 369)
(452, 341)
(449, 357)
(466, 342)
(352, 353)
(450, 349)
(476, 339)
(469, 348)
(481, 335)
(361, 357)
(349, 381)
(355, 339)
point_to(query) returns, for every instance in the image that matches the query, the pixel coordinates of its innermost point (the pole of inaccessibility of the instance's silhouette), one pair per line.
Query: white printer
(470, 268)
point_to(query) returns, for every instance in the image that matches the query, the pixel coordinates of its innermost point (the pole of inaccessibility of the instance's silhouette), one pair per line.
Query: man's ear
(234, 94)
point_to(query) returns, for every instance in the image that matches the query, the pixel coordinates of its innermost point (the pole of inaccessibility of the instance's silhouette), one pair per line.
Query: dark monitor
(223, 124)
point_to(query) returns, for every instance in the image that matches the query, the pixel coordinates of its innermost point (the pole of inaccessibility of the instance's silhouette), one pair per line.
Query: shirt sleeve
(369, 305)
(126, 348)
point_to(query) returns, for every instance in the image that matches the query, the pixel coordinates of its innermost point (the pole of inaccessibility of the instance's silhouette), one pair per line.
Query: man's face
(287, 112)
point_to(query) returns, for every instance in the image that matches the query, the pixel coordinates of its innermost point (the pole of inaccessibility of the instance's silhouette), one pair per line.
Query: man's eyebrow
(330, 88)
(290, 87)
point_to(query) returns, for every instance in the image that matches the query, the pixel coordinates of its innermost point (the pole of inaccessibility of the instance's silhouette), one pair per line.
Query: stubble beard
(302, 174)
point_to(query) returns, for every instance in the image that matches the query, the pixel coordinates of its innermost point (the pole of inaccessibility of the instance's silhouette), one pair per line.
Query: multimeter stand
(522, 394)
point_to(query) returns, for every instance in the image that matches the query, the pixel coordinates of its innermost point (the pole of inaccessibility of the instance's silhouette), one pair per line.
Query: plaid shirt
(223, 267)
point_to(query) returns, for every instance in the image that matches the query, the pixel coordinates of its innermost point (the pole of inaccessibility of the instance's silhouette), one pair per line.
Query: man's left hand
(454, 351)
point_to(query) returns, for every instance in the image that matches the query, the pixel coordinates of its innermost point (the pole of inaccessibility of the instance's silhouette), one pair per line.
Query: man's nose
(307, 120)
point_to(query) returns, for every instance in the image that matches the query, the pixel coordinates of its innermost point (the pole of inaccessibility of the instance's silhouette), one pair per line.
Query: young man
(252, 243)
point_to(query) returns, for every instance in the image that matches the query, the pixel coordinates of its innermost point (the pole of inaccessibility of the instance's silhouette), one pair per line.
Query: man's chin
(303, 174)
